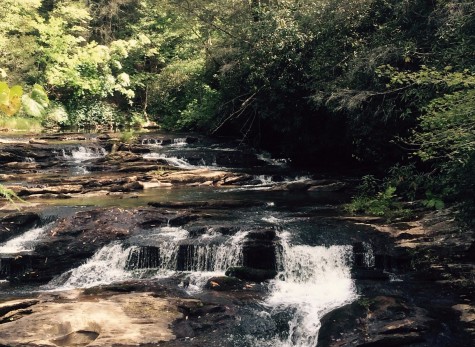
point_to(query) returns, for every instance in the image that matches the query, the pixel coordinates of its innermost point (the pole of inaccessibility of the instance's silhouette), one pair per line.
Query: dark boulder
(224, 283)
(259, 249)
(250, 274)
(17, 223)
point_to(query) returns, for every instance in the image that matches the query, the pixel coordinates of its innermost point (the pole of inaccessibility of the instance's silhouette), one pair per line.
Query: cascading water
(106, 266)
(312, 281)
(25, 242)
(114, 262)
(81, 154)
(179, 141)
(173, 161)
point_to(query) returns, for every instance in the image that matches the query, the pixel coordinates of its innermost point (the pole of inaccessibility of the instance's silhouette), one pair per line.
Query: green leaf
(32, 107)
(4, 94)
(39, 95)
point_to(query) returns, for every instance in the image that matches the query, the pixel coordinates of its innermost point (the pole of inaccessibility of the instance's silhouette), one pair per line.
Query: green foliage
(56, 115)
(9, 195)
(10, 99)
(383, 204)
(21, 124)
(36, 103)
(128, 137)
(95, 114)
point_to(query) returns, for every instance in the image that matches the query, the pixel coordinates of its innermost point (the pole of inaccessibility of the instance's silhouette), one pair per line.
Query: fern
(9, 194)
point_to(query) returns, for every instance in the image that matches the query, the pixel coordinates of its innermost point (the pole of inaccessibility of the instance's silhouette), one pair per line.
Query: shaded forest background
(388, 85)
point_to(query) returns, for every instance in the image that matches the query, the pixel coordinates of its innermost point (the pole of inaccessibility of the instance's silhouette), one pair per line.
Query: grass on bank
(20, 124)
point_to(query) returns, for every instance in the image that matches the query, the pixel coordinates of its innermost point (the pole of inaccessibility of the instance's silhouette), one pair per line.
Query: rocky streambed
(186, 241)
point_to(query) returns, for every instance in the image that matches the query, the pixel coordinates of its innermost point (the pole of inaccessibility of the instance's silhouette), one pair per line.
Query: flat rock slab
(119, 320)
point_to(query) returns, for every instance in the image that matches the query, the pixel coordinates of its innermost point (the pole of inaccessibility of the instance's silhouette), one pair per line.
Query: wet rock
(197, 231)
(123, 157)
(151, 218)
(376, 322)
(15, 305)
(262, 234)
(227, 230)
(134, 167)
(133, 148)
(22, 165)
(195, 176)
(369, 274)
(16, 223)
(293, 186)
(61, 189)
(145, 257)
(127, 187)
(6, 157)
(250, 274)
(219, 204)
(224, 283)
(38, 142)
(331, 187)
(259, 249)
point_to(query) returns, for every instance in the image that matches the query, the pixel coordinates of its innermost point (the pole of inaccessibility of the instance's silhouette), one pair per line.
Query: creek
(276, 222)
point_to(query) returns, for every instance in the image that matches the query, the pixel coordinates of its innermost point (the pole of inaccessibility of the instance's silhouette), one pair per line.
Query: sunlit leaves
(10, 99)
(36, 103)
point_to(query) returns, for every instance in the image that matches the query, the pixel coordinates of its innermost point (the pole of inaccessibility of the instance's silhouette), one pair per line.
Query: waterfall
(179, 141)
(24, 242)
(105, 267)
(81, 154)
(173, 161)
(151, 142)
(313, 280)
(168, 256)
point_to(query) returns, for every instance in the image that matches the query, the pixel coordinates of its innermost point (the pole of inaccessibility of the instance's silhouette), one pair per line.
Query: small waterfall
(181, 163)
(179, 141)
(81, 154)
(265, 157)
(151, 142)
(173, 161)
(313, 281)
(364, 255)
(106, 266)
(25, 242)
(169, 255)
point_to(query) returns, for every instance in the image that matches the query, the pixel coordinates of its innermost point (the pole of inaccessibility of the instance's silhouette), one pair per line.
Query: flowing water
(314, 272)
(25, 242)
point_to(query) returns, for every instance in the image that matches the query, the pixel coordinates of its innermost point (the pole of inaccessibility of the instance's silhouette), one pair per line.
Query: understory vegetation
(383, 85)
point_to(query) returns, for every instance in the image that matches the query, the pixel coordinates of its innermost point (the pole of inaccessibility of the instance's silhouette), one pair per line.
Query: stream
(286, 229)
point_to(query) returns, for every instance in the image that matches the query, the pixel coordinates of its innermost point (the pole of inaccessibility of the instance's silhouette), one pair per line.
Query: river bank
(145, 232)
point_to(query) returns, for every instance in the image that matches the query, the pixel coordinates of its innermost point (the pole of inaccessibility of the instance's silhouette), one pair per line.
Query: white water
(81, 154)
(275, 162)
(173, 161)
(314, 281)
(105, 267)
(25, 242)
(179, 142)
(152, 142)
(179, 162)
(110, 263)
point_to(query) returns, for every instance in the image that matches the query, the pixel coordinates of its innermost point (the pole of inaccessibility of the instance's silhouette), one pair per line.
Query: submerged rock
(250, 274)
(224, 283)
